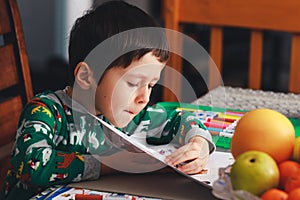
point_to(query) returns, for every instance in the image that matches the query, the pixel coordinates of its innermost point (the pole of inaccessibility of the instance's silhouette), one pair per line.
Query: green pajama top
(51, 149)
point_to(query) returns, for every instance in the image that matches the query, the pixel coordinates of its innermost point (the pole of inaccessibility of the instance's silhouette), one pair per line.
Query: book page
(146, 158)
(210, 173)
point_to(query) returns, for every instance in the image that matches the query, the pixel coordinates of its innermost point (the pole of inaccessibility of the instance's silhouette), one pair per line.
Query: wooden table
(165, 186)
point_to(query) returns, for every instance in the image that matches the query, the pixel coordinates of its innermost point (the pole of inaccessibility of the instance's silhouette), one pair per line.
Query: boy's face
(124, 92)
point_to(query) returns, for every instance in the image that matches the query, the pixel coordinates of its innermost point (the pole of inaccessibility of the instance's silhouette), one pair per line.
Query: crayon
(225, 134)
(222, 115)
(215, 125)
(104, 197)
(88, 197)
(224, 119)
(222, 134)
(210, 129)
(213, 120)
(56, 192)
(234, 113)
(187, 109)
(238, 112)
(214, 129)
(119, 197)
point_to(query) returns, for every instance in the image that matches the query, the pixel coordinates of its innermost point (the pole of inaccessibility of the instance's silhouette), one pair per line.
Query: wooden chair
(15, 81)
(257, 16)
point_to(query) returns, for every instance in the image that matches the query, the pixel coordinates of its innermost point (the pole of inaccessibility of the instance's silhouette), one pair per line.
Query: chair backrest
(15, 80)
(257, 16)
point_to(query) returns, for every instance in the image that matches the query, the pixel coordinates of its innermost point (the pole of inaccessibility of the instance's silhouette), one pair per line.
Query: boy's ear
(84, 76)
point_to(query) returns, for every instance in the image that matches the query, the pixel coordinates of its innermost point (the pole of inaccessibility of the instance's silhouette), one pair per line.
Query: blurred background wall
(47, 25)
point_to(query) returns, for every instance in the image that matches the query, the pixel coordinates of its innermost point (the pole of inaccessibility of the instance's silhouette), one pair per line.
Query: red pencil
(88, 197)
(224, 119)
(215, 125)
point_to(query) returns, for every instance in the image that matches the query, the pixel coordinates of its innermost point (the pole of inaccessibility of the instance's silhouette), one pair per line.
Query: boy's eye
(132, 84)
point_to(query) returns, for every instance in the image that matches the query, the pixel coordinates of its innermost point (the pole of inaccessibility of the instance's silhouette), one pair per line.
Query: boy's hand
(192, 157)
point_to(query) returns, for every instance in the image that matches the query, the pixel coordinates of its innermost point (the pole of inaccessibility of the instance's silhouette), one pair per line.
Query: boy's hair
(107, 20)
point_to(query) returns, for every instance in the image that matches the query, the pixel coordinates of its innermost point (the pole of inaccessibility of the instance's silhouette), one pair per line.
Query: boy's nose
(143, 95)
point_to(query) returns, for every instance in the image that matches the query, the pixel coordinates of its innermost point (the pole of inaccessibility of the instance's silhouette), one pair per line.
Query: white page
(210, 173)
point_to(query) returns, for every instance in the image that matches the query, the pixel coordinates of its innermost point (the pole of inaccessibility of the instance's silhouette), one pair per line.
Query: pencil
(215, 125)
(88, 197)
(228, 116)
(224, 119)
(234, 113)
(213, 120)
(224, 134)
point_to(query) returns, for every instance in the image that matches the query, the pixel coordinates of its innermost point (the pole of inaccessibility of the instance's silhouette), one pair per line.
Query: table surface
(248, 99)
(164, 185)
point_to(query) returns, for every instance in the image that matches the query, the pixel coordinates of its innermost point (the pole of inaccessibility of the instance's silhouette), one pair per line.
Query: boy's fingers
(193, 167)
(181, 156)
(188, 152)
(175, 158)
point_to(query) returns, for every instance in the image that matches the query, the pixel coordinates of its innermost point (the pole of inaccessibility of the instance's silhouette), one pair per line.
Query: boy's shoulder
(46, 102)
(48, 97)
(49, 108)
(44, 94)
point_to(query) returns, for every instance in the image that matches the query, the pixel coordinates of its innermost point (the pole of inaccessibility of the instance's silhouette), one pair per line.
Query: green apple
(255, 172)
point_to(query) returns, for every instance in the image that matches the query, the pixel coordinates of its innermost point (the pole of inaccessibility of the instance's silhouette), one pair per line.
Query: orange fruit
(294, 195)
(274, 194)
(292, 182)
(264, 130)
(296, 151)
(287, 169)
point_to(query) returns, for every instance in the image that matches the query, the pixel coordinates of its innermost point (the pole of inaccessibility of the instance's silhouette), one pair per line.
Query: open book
(150, 157)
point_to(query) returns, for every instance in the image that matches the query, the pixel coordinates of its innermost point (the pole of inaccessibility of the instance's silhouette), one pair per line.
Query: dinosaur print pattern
(50, 149)
(68, 159)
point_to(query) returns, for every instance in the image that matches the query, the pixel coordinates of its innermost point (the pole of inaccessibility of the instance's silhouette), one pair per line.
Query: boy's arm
(41, 157)
(186, 129)
(35, 157)
(164, 125)
(171, 125)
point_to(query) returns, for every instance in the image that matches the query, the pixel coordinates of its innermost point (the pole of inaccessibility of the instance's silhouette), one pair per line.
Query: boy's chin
(121, 120)
(121, 124)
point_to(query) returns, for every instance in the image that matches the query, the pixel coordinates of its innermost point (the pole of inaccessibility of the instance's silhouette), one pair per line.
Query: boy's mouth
(130, 112)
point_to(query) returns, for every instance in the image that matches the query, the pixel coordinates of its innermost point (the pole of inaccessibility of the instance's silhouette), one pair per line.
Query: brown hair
(107, 20)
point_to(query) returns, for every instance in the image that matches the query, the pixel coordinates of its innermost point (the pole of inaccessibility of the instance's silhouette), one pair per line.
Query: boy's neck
(69, 91)
(82, 101)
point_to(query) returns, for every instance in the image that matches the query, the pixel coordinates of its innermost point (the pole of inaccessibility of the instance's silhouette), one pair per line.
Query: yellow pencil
(227, 116)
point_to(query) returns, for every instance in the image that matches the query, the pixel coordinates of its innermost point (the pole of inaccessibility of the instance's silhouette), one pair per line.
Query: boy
(52, 148)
